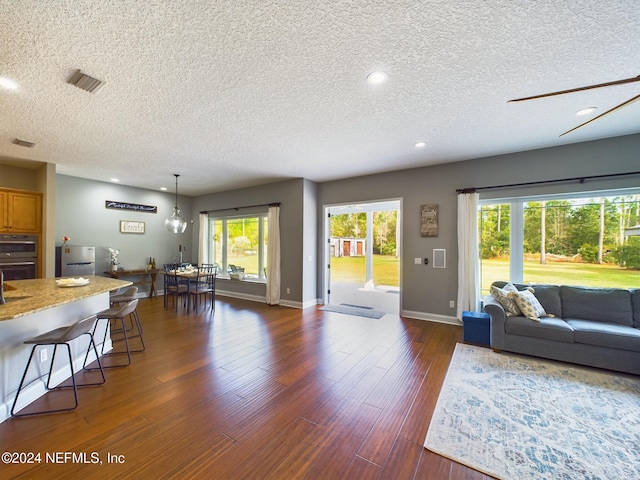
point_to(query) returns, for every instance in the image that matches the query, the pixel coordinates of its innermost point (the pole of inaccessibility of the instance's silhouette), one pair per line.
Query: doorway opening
(363, 255)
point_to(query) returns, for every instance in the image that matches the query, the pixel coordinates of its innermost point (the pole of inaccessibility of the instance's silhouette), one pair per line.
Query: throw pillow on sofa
(502, 295)
(529, 305)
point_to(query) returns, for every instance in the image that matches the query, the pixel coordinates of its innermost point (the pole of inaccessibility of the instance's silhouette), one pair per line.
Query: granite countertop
(24, 297)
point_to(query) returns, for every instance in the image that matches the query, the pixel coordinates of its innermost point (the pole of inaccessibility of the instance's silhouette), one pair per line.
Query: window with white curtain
(240, 241)
(583, 239)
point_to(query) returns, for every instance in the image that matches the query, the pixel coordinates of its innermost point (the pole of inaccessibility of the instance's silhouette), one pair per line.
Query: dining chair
(204, 285)
(174, 287)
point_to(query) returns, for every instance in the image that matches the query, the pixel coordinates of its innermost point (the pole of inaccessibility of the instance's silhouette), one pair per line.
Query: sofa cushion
(529, 305)
(607, 305)
(549, 298)
(606, 334)
(502, 295)
(635, 301)
(548, 328)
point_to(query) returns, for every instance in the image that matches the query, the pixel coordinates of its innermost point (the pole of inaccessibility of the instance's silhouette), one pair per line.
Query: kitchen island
(37, 306)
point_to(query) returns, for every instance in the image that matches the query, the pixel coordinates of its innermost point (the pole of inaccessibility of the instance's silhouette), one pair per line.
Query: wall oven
(19, 256)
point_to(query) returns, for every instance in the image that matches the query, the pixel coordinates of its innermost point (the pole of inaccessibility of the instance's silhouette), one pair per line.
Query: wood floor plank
(342, 435)
(434, 466)
(461, 472)
(394, 394)
(280, 454)
(362, 469)
(402, 460)
(256, 391)
(419, 416)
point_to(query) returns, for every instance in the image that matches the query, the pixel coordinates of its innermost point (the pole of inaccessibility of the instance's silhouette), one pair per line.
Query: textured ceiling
(238, 93)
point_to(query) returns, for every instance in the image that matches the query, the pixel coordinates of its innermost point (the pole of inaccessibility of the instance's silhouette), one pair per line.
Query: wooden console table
(153, 291)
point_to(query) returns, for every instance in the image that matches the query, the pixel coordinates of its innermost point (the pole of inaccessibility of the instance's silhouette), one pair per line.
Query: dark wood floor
(254, 392)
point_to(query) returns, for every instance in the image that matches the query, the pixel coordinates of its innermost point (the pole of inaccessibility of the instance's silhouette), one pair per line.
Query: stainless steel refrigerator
(75, 261)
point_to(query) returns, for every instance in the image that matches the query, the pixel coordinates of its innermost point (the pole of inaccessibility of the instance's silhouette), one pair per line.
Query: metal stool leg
(60, 336)
(119, 313)
(136, 332)
(108, 354)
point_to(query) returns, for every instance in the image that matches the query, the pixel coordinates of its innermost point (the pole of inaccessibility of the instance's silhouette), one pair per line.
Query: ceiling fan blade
(617, 107)
(579, 89)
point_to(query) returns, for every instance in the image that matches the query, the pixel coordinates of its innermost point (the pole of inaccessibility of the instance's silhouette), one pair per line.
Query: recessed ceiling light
(586, 111)
(164, 189)
(8, 83)
(421, 144)
(116, 180)
(377, 78)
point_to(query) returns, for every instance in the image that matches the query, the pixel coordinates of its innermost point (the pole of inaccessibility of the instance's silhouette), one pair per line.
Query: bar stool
(129, 294)
(123, 297)
(120, 313)
(61, 336)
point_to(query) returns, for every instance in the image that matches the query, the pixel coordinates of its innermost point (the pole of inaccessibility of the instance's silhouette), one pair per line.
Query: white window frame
(516, 221)
(262, 218)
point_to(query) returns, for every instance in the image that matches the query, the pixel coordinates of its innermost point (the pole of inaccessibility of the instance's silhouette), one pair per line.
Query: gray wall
(81, 215)
(20, 178)
(427, 291)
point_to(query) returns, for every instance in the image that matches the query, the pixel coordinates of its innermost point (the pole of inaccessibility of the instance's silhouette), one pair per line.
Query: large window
(565, 240)
(240, 242)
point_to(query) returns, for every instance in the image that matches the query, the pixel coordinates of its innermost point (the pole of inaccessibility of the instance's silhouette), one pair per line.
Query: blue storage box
(476, 328)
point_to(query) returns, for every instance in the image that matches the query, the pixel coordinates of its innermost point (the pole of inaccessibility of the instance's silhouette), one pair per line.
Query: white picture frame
(130, 226)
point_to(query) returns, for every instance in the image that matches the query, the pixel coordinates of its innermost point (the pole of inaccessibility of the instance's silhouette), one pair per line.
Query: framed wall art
(429, 220)
(128, 226)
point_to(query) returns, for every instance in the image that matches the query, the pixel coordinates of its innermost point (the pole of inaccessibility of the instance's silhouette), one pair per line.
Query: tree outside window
(573, 241)
(240, 242)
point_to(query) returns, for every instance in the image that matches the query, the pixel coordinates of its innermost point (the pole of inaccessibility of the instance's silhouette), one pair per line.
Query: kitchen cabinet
(20, 211)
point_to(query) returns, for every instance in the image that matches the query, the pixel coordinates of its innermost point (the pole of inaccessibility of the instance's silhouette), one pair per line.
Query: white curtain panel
(203, 234)
(468, 269)
(273, 256)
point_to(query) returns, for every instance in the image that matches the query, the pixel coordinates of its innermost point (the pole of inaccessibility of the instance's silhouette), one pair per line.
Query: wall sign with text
(128, 226)
(429, 220)
(130, 206)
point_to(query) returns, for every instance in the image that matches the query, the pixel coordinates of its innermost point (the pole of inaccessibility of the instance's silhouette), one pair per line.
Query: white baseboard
(261, 299)
(243, 296)
(431, 317)
(290, 304)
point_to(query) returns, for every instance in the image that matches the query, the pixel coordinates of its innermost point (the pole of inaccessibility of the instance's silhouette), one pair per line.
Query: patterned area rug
(354, 310)
(513, 416)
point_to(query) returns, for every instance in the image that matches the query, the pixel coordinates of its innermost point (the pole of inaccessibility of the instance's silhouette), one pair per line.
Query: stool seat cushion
(121, 298)
(112, 312)
(54, 336)
(64, 334)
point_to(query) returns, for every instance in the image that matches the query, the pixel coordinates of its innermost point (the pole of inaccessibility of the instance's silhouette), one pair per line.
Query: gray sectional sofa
(598, 327)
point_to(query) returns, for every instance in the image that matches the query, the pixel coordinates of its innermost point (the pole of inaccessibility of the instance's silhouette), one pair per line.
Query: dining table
(191, 275)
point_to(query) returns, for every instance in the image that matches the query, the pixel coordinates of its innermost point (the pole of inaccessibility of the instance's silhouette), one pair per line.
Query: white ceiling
(238, 93)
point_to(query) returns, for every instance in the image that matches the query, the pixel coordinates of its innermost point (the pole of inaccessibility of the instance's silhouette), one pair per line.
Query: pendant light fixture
(175, 223)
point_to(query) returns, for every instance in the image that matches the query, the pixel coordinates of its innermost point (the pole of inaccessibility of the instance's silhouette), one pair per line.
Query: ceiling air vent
(85, 82)
(24, 143)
